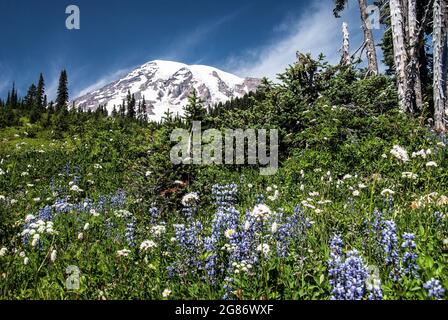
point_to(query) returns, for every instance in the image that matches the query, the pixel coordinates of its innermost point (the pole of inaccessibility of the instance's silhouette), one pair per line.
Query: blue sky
(245, 37)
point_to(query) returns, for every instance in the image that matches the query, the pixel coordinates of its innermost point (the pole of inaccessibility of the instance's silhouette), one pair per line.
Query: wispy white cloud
(314, 31)
(187, 41)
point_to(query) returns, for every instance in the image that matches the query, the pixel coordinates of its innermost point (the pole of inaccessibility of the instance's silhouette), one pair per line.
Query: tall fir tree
(130, 100)
(41, 98)
(194, 111)
(62, 96)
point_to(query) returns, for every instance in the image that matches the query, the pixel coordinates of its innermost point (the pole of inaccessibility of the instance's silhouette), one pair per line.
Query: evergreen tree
(130, 99)
(194, 111)
(41, 98)
(122, 109)
(167, 116)
(62, 96)
(31, 103)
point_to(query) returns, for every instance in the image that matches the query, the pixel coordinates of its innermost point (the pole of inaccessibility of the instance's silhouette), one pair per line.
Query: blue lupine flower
(410, 256)
(389, 241)
(226, 218)
(190, 244)
(154, 214)
(347, 277)
(435, 289)
(130, 233)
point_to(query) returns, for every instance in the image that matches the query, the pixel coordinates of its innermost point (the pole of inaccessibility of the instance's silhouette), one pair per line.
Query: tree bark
(345, 45)
(400, 55)
(440, 56)
(414, 100)
(368, 38)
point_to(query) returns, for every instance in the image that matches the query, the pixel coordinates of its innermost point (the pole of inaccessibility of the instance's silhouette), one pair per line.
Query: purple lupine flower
(334, 266)
(389, 241)
(226, 218)
(130, 233)
(154, 214)
(410, 256)
(435, 289)
(347, 276)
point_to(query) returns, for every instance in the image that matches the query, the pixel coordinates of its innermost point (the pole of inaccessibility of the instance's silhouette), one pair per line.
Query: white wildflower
(409, 175)
(26, 260)
(275, 196)
(229, 233)
(80, 236)
(86, 226)
(53, 255)
(399, 153)
(264, 248)
(3, 251)
(274, 227)
(123, 253)
(147, 245)
(431, 164)
(190, 198)
(75, 188)
(387, 192)
(261, 211)
(166, 293)
(158, 230)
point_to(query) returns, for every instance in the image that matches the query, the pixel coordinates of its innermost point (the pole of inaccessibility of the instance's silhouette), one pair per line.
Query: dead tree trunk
(440, 56)
(368, 38)
(400, 55)
(414, 100)
(345, 45)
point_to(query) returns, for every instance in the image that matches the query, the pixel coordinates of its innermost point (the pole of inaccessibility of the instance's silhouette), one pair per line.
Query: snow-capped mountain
(167, 85)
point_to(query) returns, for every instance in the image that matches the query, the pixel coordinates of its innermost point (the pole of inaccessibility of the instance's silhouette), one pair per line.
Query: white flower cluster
(147, 245)
(35, 229)
(241, 267)
(264, 248)
(421, 153)
(3, 251)
(123, 214)
(123, 252)
(157, 231)
(400, 153)
(261, 212)
(75, 188)
(409, 175)
(274, 191)
(190, 199)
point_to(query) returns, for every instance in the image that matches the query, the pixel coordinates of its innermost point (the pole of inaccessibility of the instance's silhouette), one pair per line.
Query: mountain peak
(166, 85)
